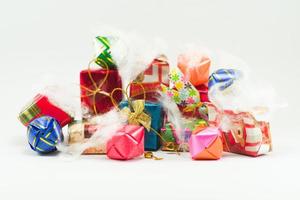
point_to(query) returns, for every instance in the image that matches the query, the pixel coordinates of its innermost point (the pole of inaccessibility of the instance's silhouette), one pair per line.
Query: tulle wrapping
(198, 101)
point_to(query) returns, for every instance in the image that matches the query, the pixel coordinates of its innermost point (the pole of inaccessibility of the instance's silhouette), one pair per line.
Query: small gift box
(96, 86)
(127, 143)
(41, 105)
(246, 136)
(151, 79)
(169, 140)
(195, 66)
(206, 144)
(146, 114)
(44, 133)
(80, 132)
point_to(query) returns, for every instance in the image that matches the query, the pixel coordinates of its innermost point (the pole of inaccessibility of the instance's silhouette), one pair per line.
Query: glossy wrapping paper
(42, 106)
(104, 57)
(95, 91)
(44, 133)
(127, 143)
(206, 144)
(170, 140)
(223, 78)
(247, 136)
(151, 80)
(154, 110)
(188, 98)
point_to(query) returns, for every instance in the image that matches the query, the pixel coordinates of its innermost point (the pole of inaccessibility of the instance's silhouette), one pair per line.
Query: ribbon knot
(137, 116)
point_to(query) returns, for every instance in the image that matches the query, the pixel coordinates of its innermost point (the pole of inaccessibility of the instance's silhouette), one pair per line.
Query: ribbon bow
(137, 116)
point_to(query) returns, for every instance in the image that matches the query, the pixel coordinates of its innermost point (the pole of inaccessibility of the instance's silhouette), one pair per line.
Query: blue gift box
(155, 111)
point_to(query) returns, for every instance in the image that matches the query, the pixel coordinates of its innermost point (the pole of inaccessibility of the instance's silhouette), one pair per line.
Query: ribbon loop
(137, 115)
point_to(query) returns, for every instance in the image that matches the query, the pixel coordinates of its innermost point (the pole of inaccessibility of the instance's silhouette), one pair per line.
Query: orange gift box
(206, 144)
(195, 66)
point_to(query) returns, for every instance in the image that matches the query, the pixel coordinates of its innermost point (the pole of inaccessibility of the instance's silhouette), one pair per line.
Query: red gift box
(151, 79)
(42, 106)
(203, 92)
(96, 86)
(247, 136)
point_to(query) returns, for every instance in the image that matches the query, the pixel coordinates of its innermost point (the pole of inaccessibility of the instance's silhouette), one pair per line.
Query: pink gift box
(127, 143)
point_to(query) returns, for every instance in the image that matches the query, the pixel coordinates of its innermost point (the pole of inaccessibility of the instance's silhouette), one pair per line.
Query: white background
(54, 39)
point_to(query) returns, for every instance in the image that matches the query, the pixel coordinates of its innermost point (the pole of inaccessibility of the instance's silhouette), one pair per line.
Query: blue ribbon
(223, 77)
(44, 134)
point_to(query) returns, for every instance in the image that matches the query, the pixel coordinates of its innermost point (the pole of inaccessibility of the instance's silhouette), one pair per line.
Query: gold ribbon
(96, 87)
(192, 108)
(137, 116)
(150, 155)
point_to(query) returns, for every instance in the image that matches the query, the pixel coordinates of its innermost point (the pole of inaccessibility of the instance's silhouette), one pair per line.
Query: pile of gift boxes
(166, 108)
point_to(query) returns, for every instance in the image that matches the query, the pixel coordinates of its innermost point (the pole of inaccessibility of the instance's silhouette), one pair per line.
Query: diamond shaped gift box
(206, 144)
(127, 143)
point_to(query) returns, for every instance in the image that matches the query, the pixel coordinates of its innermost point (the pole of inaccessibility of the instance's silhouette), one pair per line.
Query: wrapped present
(206, 144)
(151, 80)
(104, 58)
(181, 90)
(195, 66)
(127, 143)
(203, 92)
(223, 78)
(183, 93)
(80, 132)
(42, 105)
(245, 135)
(177, 140)
(44, 133)
(170, 140)
(96, 86)
(147, 114)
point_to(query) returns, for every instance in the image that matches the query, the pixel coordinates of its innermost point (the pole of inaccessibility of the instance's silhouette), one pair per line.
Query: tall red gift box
(96, 86)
